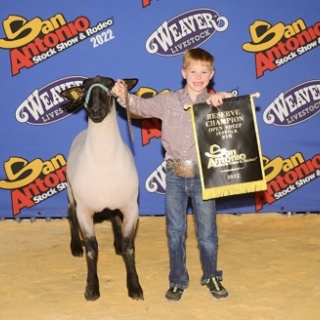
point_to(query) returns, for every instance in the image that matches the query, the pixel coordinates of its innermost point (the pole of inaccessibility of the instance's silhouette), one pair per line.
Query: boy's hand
(216, 99)
(119, 90)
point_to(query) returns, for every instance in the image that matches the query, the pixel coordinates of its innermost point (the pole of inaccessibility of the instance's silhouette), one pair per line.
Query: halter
(90, 89)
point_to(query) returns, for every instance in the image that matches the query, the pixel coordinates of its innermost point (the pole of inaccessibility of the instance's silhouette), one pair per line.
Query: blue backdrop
(264, 47)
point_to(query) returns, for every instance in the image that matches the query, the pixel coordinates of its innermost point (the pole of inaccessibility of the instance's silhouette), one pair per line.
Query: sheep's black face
(97, 114)
(99, 98)
(99, 105)
(95, 94)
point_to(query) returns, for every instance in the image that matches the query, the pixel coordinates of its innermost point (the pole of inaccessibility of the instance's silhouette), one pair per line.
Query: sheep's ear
(73, 94)
(131, 83)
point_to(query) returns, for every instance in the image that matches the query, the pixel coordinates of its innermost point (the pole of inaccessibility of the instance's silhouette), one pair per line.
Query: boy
(182, 174)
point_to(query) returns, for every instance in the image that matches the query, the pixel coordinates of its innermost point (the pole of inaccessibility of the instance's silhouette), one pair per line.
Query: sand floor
(271, 266)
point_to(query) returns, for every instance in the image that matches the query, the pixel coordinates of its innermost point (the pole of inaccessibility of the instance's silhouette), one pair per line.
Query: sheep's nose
(97, 115)
(94, 112)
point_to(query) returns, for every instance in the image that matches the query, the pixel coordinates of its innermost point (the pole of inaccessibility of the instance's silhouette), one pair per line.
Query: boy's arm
(146, 108)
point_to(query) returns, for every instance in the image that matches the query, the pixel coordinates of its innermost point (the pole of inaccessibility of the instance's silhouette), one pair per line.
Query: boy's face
(198, 75)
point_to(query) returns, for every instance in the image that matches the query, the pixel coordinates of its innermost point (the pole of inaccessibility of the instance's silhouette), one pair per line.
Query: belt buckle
(184, 168)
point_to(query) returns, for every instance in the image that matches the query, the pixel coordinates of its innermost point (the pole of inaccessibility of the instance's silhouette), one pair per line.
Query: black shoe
(217, 290)
(174, 294)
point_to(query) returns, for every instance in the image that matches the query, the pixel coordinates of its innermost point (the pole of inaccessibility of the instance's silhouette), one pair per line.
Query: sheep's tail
(128, 112)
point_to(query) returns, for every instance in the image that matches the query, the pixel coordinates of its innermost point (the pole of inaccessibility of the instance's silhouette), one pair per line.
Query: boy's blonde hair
(197, 54)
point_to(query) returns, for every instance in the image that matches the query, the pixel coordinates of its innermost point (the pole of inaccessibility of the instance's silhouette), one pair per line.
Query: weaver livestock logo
(284, 176)
(33, 182)
(44, 106)
(276, 45)
(186, 31)
(34, 41)
(294, 106)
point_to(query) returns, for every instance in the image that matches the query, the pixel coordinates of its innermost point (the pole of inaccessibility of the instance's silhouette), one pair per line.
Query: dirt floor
(270, 261)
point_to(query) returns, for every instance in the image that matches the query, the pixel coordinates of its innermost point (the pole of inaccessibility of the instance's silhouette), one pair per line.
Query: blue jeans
(178, 192)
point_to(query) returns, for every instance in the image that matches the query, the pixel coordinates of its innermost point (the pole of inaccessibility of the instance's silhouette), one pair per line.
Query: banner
(228, 147)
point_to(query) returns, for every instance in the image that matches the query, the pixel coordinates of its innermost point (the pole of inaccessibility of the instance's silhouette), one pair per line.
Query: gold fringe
(230, 190)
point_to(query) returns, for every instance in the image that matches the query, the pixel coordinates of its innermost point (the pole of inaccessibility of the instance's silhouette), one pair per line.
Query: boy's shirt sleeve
(147, 107)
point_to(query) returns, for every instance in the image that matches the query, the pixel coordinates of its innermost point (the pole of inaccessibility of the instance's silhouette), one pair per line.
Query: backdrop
(262, 46)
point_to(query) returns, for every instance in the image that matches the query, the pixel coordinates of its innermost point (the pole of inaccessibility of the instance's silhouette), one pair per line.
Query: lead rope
(128, 111)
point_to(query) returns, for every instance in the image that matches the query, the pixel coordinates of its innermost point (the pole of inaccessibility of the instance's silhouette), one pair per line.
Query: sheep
(101, 175)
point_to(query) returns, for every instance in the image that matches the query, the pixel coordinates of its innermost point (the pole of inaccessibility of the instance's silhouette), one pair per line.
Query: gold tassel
(230, 190)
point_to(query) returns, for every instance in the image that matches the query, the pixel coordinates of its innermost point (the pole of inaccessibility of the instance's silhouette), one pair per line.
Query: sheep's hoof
(91, 294)
(136, 294)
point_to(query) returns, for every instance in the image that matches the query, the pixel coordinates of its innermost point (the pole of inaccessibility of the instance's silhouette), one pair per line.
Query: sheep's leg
(92, 289)
(116, 220)
(76, 243)
(86, 224)
(128, 252)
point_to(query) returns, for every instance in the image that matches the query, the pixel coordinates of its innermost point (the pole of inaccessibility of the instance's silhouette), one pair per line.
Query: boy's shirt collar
(185, 98)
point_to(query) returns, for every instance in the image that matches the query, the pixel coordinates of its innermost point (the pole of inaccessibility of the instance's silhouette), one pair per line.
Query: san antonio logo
(221, 157)
(278, 44)
(34, 41)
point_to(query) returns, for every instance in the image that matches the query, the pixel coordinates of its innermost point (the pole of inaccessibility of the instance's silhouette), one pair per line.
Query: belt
(182, 168)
